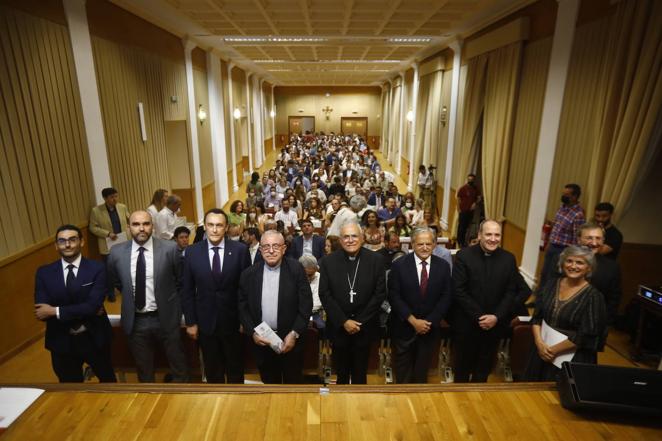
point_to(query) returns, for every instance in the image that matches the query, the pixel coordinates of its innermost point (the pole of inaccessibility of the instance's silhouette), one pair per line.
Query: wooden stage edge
(164, 388)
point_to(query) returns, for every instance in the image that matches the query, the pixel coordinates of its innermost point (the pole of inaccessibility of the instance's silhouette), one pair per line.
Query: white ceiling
(323, 42)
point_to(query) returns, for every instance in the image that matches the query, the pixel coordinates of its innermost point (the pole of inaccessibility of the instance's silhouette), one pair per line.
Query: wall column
(258, 113)
(217, 125)
(401, 140)
(391, 123)
(564, 33)
(456, 46)
(193, 128)
(249, 117)
(272, 113)
(233, 142)
(412, 127)
(81, 45)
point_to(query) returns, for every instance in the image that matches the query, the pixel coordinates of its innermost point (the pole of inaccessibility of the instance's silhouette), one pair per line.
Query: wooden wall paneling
(640, 264)
(208, 196)
(174, 84)
(188, 202)
(513, 240)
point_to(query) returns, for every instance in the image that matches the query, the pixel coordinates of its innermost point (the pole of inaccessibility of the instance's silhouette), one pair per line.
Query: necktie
(71, 277)
(424, 279)
(216, 263)
(141, 277)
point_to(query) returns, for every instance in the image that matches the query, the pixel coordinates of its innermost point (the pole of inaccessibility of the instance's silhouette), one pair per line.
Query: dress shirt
(166, 222)
(65, 271)
(289, 218)
(150, 297)
(419, 267)
(315, 288)
(270, 283)
(566, 225)
(253, 250)
(307, 246)
(210, 247)
(153, 211)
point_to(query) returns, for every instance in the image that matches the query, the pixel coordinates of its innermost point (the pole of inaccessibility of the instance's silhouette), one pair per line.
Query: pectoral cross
(352, 293)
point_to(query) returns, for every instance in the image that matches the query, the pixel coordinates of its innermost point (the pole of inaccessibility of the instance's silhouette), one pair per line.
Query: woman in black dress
(572, 306)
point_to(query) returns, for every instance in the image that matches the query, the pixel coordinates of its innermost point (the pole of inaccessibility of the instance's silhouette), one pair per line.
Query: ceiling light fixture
(409, 40)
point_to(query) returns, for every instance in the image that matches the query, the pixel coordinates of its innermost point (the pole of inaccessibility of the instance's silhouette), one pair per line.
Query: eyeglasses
(271, 247)
(64, 241)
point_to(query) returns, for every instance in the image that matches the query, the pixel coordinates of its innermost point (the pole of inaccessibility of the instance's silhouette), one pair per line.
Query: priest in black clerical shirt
(352, 288)
(486, 285)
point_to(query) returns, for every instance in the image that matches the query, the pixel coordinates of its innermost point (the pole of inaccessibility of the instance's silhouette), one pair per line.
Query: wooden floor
(488, 412)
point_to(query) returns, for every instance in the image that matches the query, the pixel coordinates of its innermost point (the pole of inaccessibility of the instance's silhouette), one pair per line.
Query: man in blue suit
(308, 243)
(420, 292)
(69, 297)
(210, 296)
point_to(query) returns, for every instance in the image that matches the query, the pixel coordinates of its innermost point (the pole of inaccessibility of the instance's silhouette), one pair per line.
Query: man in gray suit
(146, 271)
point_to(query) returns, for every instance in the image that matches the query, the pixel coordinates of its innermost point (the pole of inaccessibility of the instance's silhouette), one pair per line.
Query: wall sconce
(327, 112)
(444, 116)
(272, 113)
(202, 114)
(236, 113)
(410, 116)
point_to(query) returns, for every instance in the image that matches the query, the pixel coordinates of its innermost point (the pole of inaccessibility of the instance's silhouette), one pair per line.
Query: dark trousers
(463, 222)
(550, 264)
(223, 357)
(351, 360)
(69, 366)
(473, 354)
(412, 357)
(146, 334)
(280, 368)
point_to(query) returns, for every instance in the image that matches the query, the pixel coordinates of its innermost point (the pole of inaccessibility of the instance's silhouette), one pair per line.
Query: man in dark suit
(485, 283)
(307, 243)
(352, 289)
(146, 271)
(209, 298)
(69, 297)
(607, 275)
(276, 291)
(420, 290)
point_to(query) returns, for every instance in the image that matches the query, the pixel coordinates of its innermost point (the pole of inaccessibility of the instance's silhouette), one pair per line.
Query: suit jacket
(167, 261)
(295, 300)
(334, 294)
(209, 303)
(82, 304)
(101, 226)
(405, 296)
(296, 250)
(483, 285)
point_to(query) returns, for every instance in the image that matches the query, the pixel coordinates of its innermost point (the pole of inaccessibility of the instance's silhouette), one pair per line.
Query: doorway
(299, 125)
(350, 125)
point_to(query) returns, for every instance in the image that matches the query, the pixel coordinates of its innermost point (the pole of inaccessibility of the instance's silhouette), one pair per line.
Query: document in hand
(265, 331)
(551, 337)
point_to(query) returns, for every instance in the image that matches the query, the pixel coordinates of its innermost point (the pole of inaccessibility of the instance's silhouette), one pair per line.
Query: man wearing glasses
(210, 291)
(69, 297)
(276, 291)
(352, 289)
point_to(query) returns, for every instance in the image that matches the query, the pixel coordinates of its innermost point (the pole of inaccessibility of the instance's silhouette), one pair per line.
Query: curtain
(503, 69)
(474, 100)
(635, 90)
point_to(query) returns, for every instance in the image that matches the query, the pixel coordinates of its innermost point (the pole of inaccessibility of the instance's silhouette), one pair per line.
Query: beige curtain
(634, 99)
(503, 69)
(474, 101)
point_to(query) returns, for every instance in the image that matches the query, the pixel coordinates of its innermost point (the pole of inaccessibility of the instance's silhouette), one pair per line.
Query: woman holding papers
(569, 322)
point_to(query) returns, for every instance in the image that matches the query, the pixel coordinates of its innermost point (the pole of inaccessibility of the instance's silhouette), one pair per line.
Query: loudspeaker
(585, 386)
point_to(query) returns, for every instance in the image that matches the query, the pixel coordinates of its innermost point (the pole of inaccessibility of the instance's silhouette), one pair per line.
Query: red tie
(424, 279)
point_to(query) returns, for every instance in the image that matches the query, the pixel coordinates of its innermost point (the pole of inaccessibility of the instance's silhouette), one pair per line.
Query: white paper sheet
(524, 318)
(14, 401)
(265, 331)
(551, 337)
(121, 237)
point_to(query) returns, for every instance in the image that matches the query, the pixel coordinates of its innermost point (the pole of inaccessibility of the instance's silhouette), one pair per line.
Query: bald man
(146, 271)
